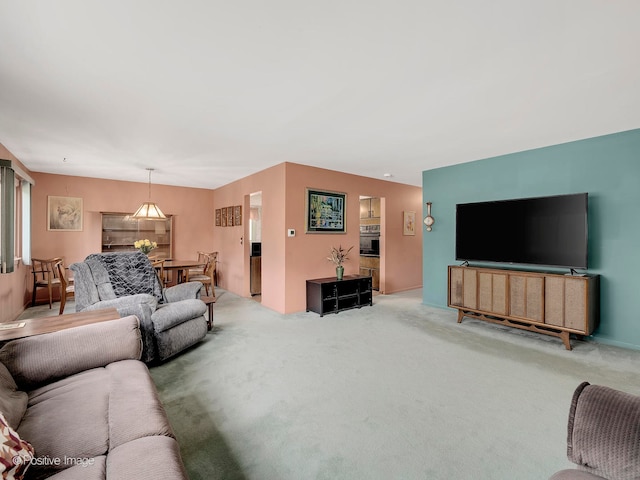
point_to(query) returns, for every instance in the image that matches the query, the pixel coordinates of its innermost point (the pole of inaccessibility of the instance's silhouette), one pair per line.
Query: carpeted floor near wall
(394, 391)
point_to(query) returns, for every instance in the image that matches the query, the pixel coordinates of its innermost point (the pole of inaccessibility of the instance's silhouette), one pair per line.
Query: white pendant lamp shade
(149, 210)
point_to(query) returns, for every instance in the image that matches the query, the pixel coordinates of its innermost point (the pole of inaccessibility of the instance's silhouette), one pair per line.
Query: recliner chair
(171, 319)
(603, 436)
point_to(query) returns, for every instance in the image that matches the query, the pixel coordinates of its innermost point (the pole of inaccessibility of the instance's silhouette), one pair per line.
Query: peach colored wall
(191, 208)
(288, 261)
(401, 256)
(233, 256)
(13, 286)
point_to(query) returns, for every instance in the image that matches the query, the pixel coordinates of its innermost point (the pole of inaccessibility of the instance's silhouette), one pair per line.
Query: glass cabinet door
(120, 231)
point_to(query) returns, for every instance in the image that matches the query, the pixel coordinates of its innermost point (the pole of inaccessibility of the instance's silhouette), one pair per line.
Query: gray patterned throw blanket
(130, 273)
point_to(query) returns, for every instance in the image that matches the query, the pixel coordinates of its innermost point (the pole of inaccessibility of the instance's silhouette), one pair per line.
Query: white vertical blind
(26, 222)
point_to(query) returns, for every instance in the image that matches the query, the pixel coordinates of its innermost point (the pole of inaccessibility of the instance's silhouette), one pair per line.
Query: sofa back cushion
(13, 402)
(604, 432)
(41, 359)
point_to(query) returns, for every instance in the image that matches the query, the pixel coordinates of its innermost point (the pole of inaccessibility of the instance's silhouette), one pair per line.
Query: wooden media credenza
(549, 303)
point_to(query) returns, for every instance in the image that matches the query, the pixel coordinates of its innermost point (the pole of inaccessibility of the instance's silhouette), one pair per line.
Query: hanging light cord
(150, 170)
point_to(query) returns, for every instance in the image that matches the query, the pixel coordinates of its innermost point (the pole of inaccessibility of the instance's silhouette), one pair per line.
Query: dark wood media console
(330, 295)
(548, 303)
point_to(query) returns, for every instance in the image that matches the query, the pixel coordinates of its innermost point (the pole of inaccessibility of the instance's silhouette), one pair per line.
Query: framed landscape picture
(325, 212)
(64, 214)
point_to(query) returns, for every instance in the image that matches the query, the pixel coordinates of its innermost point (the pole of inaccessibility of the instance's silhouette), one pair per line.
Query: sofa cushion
(134, 406)
(171, 314)
(15, 453)
(69, 419)
(84, 469)
(161, 460)
(88, 414)
(13, 402)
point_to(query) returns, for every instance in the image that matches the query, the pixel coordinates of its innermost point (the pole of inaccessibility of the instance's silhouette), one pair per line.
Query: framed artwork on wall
(223, 217)
(409, 223)
(325, 212)
(64, 214)
(218, 218)
(229, 216)
(237, 215)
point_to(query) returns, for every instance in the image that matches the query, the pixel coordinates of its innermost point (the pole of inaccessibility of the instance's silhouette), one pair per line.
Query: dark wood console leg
(460, 315)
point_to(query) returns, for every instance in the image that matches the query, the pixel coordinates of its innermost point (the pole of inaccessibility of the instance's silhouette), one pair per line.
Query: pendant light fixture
(149, 210)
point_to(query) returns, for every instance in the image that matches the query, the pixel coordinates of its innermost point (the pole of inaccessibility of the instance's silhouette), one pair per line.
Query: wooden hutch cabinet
(119, 231)
(549, 303)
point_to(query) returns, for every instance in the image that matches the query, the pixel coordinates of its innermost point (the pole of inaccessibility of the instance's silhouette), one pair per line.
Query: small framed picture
(237, 215)
(64, 214)
(409, 223)
(229, 216)
(218, 218)
(223, 217)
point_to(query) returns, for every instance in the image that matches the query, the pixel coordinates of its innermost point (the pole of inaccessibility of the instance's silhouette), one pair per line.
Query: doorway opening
(371, 253)
(255, 251)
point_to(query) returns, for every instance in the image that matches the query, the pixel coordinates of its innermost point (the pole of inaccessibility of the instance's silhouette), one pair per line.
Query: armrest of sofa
(182, 291)
(41, 359)
(124, 304)
(172, 314)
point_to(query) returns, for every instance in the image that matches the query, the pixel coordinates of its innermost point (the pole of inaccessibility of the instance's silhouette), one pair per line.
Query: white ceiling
(209, 91)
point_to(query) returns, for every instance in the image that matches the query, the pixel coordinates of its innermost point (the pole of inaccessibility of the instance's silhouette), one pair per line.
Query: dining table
(179, 266)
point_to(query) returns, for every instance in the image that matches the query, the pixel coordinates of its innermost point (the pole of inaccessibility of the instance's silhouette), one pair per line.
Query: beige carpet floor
(394, 391)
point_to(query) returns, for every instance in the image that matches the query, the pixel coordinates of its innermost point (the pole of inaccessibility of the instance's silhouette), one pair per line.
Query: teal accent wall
(606, 167)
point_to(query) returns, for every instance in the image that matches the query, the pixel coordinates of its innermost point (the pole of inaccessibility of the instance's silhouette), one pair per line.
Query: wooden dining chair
(206, 278)
(44, 276)
(158, 264)
(67, 288)
(202, 257)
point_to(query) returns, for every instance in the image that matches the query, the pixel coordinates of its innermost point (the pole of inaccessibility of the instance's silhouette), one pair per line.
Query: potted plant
(337, 256)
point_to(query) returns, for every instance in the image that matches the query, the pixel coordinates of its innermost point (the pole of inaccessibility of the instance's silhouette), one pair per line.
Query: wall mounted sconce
(429, 220)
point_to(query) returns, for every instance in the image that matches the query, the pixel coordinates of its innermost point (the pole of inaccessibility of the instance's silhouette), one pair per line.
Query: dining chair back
(44, 276)
(159, 267)
(207, 277)
(67, 288)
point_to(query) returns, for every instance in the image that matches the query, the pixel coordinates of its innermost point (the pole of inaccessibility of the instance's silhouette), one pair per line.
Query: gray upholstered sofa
(171, 319)
(603, 437)
(87, 405)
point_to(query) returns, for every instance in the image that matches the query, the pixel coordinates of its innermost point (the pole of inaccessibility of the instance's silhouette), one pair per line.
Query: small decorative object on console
(339, 255)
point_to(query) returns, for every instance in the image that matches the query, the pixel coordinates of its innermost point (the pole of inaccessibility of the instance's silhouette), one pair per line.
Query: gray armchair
(603, 435)
(171, 319)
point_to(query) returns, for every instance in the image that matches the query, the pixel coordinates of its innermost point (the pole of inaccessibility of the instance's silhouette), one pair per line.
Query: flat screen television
(550, 231)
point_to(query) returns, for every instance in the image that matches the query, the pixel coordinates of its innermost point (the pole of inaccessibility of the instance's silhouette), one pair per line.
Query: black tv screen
(551, 231)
